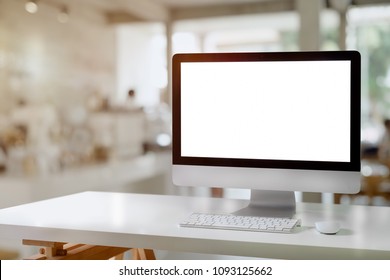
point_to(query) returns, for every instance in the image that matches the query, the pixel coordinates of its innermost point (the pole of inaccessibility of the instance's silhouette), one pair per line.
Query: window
(249, 33)
(369, 33)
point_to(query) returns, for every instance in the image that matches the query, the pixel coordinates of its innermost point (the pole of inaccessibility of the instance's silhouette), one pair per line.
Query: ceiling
(118, 11)
(166, 10)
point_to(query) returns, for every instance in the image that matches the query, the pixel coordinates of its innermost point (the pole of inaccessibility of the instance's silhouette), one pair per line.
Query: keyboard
(246, 223)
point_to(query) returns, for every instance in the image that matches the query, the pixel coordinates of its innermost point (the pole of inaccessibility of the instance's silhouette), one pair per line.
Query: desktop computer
(274, 123)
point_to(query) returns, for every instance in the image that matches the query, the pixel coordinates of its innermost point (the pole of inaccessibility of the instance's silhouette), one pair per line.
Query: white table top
(151, 221)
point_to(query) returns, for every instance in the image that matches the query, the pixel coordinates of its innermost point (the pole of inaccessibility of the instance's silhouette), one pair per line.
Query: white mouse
(327, 227)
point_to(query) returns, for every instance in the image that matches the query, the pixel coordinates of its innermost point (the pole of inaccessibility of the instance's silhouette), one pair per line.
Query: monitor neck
(266, 203)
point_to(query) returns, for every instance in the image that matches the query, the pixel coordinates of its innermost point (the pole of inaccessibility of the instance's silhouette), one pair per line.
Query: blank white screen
(296, 110)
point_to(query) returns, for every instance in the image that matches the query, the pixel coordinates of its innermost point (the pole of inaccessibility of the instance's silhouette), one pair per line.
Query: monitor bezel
(355, 114)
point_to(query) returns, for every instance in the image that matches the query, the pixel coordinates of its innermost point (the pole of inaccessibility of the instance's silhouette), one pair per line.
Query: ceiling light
(31, 6)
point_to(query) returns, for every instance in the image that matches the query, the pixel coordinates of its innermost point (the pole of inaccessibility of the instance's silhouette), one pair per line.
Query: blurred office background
(85, 85)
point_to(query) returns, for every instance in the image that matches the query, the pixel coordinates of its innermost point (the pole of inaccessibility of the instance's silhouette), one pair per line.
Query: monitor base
(270, 204)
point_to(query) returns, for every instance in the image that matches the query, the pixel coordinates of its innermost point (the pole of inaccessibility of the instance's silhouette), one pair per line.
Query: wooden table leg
(67, 251)
(143, 254)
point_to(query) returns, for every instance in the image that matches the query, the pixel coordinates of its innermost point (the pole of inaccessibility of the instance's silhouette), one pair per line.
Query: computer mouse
(327, 227)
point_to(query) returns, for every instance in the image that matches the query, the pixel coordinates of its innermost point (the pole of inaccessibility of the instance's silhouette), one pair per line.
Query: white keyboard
(247, 223)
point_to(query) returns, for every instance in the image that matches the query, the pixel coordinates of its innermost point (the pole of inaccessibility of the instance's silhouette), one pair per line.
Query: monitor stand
(270, 204)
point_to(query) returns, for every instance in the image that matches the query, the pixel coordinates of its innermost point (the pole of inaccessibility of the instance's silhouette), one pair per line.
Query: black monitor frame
(355, 114)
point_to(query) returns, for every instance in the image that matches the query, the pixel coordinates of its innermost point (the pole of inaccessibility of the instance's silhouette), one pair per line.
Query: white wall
(141, 61)
(43, 60)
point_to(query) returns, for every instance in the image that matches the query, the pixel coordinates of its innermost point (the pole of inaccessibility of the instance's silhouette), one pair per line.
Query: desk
(151, 221)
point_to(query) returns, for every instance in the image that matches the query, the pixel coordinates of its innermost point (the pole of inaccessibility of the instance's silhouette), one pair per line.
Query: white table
(151, 221)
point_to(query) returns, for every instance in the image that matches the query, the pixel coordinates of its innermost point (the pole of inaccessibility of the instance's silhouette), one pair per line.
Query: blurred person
(130, 101)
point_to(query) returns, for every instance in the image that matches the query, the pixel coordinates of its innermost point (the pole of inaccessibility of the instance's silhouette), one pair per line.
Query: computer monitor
(274, 123)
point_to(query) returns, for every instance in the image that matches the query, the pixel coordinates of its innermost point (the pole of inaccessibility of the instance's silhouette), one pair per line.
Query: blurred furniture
(375, 181)
(151, 221)
(29, 140)
(113, 175)
(122, 133)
